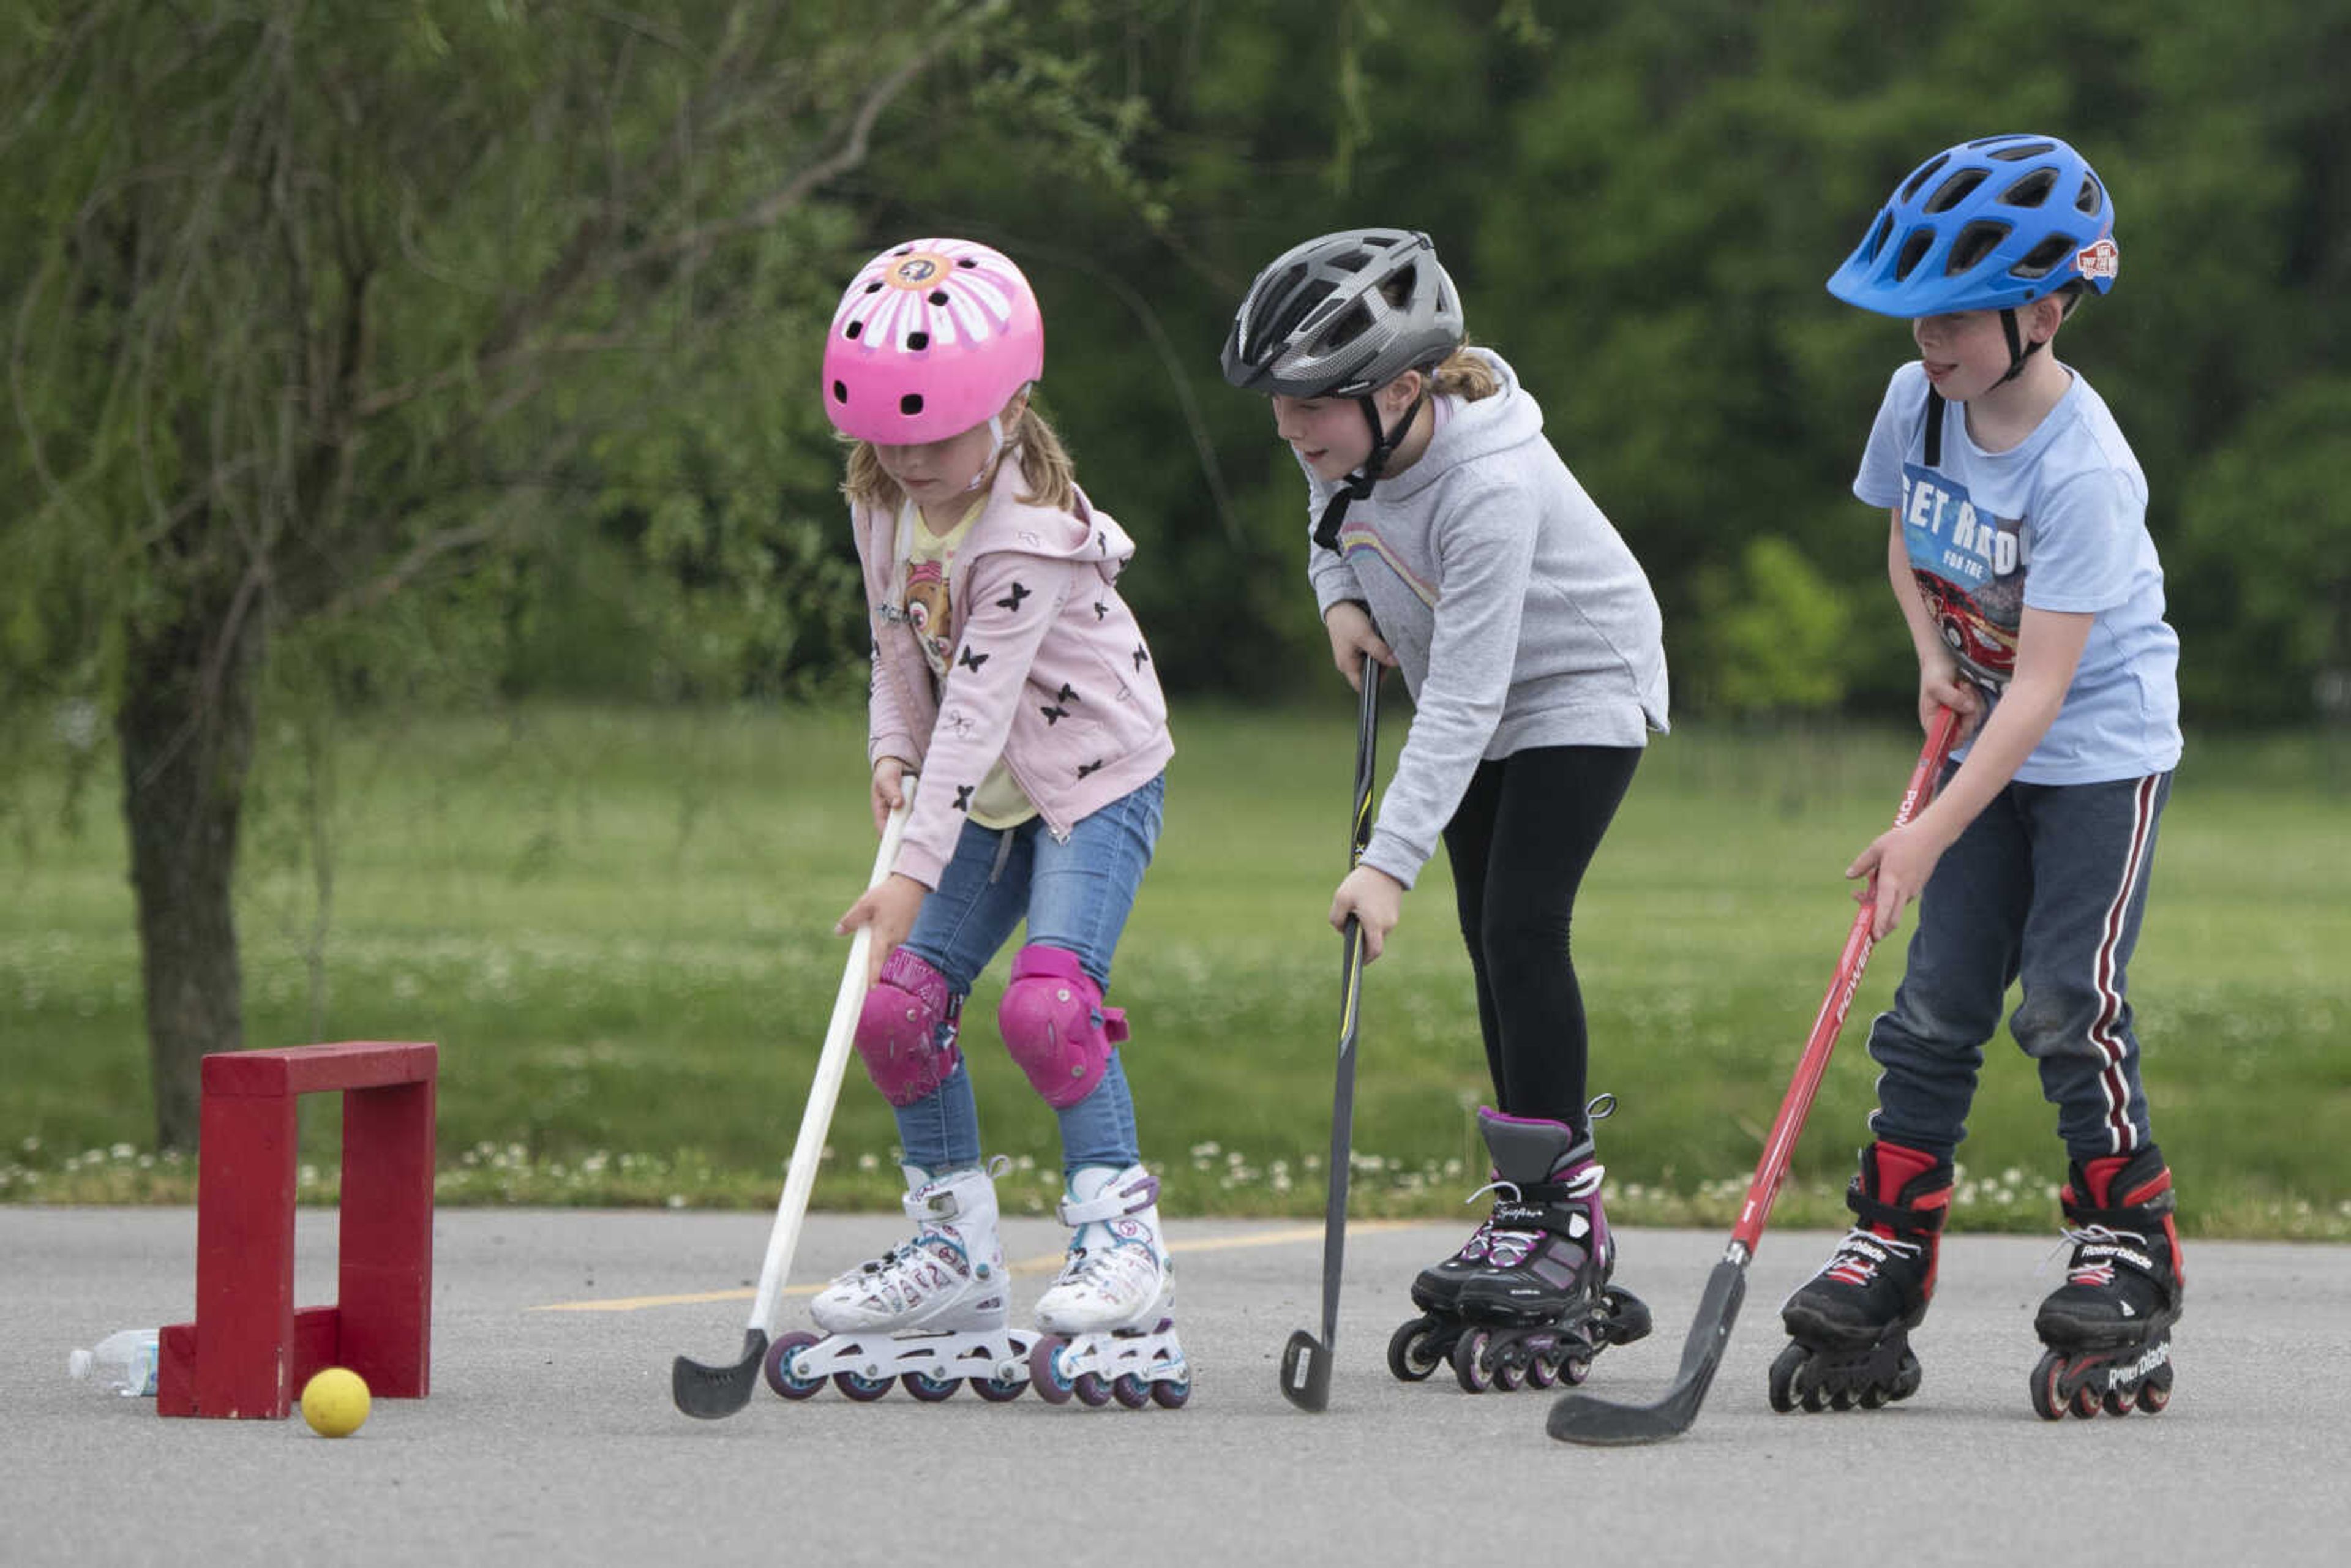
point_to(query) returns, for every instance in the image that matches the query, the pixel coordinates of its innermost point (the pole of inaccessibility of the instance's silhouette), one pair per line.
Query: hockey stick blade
(1598, 1423)
(1306, 1372)
(711, 1391)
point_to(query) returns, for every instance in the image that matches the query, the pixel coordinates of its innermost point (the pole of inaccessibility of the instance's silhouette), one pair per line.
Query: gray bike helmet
(1343, 315)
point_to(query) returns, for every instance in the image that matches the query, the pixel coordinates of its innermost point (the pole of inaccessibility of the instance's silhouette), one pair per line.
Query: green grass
(618, 927)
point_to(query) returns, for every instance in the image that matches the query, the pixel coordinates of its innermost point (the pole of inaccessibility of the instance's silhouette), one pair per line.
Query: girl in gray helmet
(1450, 542)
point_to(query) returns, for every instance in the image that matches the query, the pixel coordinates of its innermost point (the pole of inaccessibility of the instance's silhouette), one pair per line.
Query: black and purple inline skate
(1526, 1301)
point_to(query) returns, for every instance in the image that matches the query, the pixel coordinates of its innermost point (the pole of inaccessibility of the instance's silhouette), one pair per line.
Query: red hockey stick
(1583, 1419)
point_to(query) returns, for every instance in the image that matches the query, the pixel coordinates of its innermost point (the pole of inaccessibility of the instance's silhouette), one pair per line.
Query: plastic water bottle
(124, 1361)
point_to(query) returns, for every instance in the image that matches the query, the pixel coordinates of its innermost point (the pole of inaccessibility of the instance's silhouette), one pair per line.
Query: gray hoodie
(1517, 615)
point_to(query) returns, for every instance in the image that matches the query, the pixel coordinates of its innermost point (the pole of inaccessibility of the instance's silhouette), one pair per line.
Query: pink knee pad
(906, 1031)
(1055, 1026)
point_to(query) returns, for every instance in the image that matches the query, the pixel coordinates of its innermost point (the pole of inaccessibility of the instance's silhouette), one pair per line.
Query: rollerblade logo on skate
(2130, 1377)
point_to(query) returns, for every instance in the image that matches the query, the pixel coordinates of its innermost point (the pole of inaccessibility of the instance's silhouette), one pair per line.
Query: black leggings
(1520, 842)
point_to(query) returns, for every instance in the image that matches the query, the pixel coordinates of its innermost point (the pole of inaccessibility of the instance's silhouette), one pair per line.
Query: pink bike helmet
(933, 338)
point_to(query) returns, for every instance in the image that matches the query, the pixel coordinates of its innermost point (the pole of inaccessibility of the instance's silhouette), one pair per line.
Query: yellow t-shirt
(925, 598)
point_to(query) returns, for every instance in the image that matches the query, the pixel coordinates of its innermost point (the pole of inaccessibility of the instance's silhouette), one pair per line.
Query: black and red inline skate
(2109, 1327)
(1849, 1325)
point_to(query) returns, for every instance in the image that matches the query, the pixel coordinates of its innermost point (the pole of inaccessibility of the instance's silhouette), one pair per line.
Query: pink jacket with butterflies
(1051, 672)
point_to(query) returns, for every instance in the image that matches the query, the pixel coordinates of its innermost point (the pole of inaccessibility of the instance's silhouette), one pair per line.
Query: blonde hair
(1464, 375)
(1045, 467)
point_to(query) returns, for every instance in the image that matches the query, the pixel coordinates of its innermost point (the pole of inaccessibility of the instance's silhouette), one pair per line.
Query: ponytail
(1464, 375)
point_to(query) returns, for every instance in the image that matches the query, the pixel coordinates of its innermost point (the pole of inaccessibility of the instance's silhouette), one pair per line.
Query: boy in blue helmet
(2020, 556)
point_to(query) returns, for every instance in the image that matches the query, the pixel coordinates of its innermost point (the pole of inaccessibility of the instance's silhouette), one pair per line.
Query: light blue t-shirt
(2057, 522)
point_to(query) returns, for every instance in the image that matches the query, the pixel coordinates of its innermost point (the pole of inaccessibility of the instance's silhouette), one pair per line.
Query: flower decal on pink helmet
(932, 339)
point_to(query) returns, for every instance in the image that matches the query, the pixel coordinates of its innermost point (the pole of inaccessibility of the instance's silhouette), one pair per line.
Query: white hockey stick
(710, 1392)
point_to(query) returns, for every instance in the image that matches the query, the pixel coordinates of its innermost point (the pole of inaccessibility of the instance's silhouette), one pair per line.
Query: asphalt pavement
(550, 1436)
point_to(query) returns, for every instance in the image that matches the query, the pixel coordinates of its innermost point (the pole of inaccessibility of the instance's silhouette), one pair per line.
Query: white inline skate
(932, 1311)
(1109, 1316)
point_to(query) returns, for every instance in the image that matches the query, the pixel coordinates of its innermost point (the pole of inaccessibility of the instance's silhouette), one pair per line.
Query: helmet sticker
(2104, 259)
(915, 271)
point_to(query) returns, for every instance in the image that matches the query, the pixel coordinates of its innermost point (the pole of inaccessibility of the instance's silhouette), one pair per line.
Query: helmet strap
(2019, 350)
(1359, 484)
(995, 450)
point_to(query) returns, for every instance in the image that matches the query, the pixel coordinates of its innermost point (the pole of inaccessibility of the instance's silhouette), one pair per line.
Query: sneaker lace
(1482, 1240)
(1859, 1254)
(1084, 1263)
(930, 1237)
(2096, 1271)
(1074, 1267)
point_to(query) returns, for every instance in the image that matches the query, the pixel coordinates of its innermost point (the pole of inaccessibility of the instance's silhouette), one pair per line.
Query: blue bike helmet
(1989, 224)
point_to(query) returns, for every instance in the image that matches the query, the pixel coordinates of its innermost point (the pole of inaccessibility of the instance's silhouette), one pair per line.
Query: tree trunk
(185, 726)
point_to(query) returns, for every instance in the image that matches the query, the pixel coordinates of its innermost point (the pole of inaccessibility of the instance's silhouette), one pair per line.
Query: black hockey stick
(1305, 1360)
(710, 1392)
(1583, 1419)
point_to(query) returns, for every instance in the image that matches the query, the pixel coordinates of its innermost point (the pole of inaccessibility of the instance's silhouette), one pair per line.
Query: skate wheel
(2155, 1392)
(1130, 1391)
(1843, 1398)
(2047, 1373)
(1091, 1389)
(864, 1390)
(1414, 1350)
(1509, 1369)
(778, 1366)
(1543, 1369)
(1471, 1367)
(929, 1389)
(1172, 1392)
(1784, 1368)
(998, 1390)
(1052, 1384)
(2121, 1401)
(2087, 1402)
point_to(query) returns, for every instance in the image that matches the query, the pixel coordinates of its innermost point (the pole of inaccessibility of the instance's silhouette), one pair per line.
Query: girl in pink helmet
(1011, 676)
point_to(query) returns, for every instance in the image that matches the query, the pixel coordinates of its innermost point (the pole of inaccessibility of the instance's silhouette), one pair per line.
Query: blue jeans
(1075, 896)
(2047, 887)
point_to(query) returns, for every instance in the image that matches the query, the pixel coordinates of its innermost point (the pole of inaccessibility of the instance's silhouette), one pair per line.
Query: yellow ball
(334, 1402)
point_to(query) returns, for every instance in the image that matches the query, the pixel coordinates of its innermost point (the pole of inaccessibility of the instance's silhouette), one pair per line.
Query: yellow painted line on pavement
(1046, 1263)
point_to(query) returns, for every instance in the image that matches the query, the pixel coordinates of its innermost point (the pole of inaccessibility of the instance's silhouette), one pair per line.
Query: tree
(2263, 583)
(312, 304)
